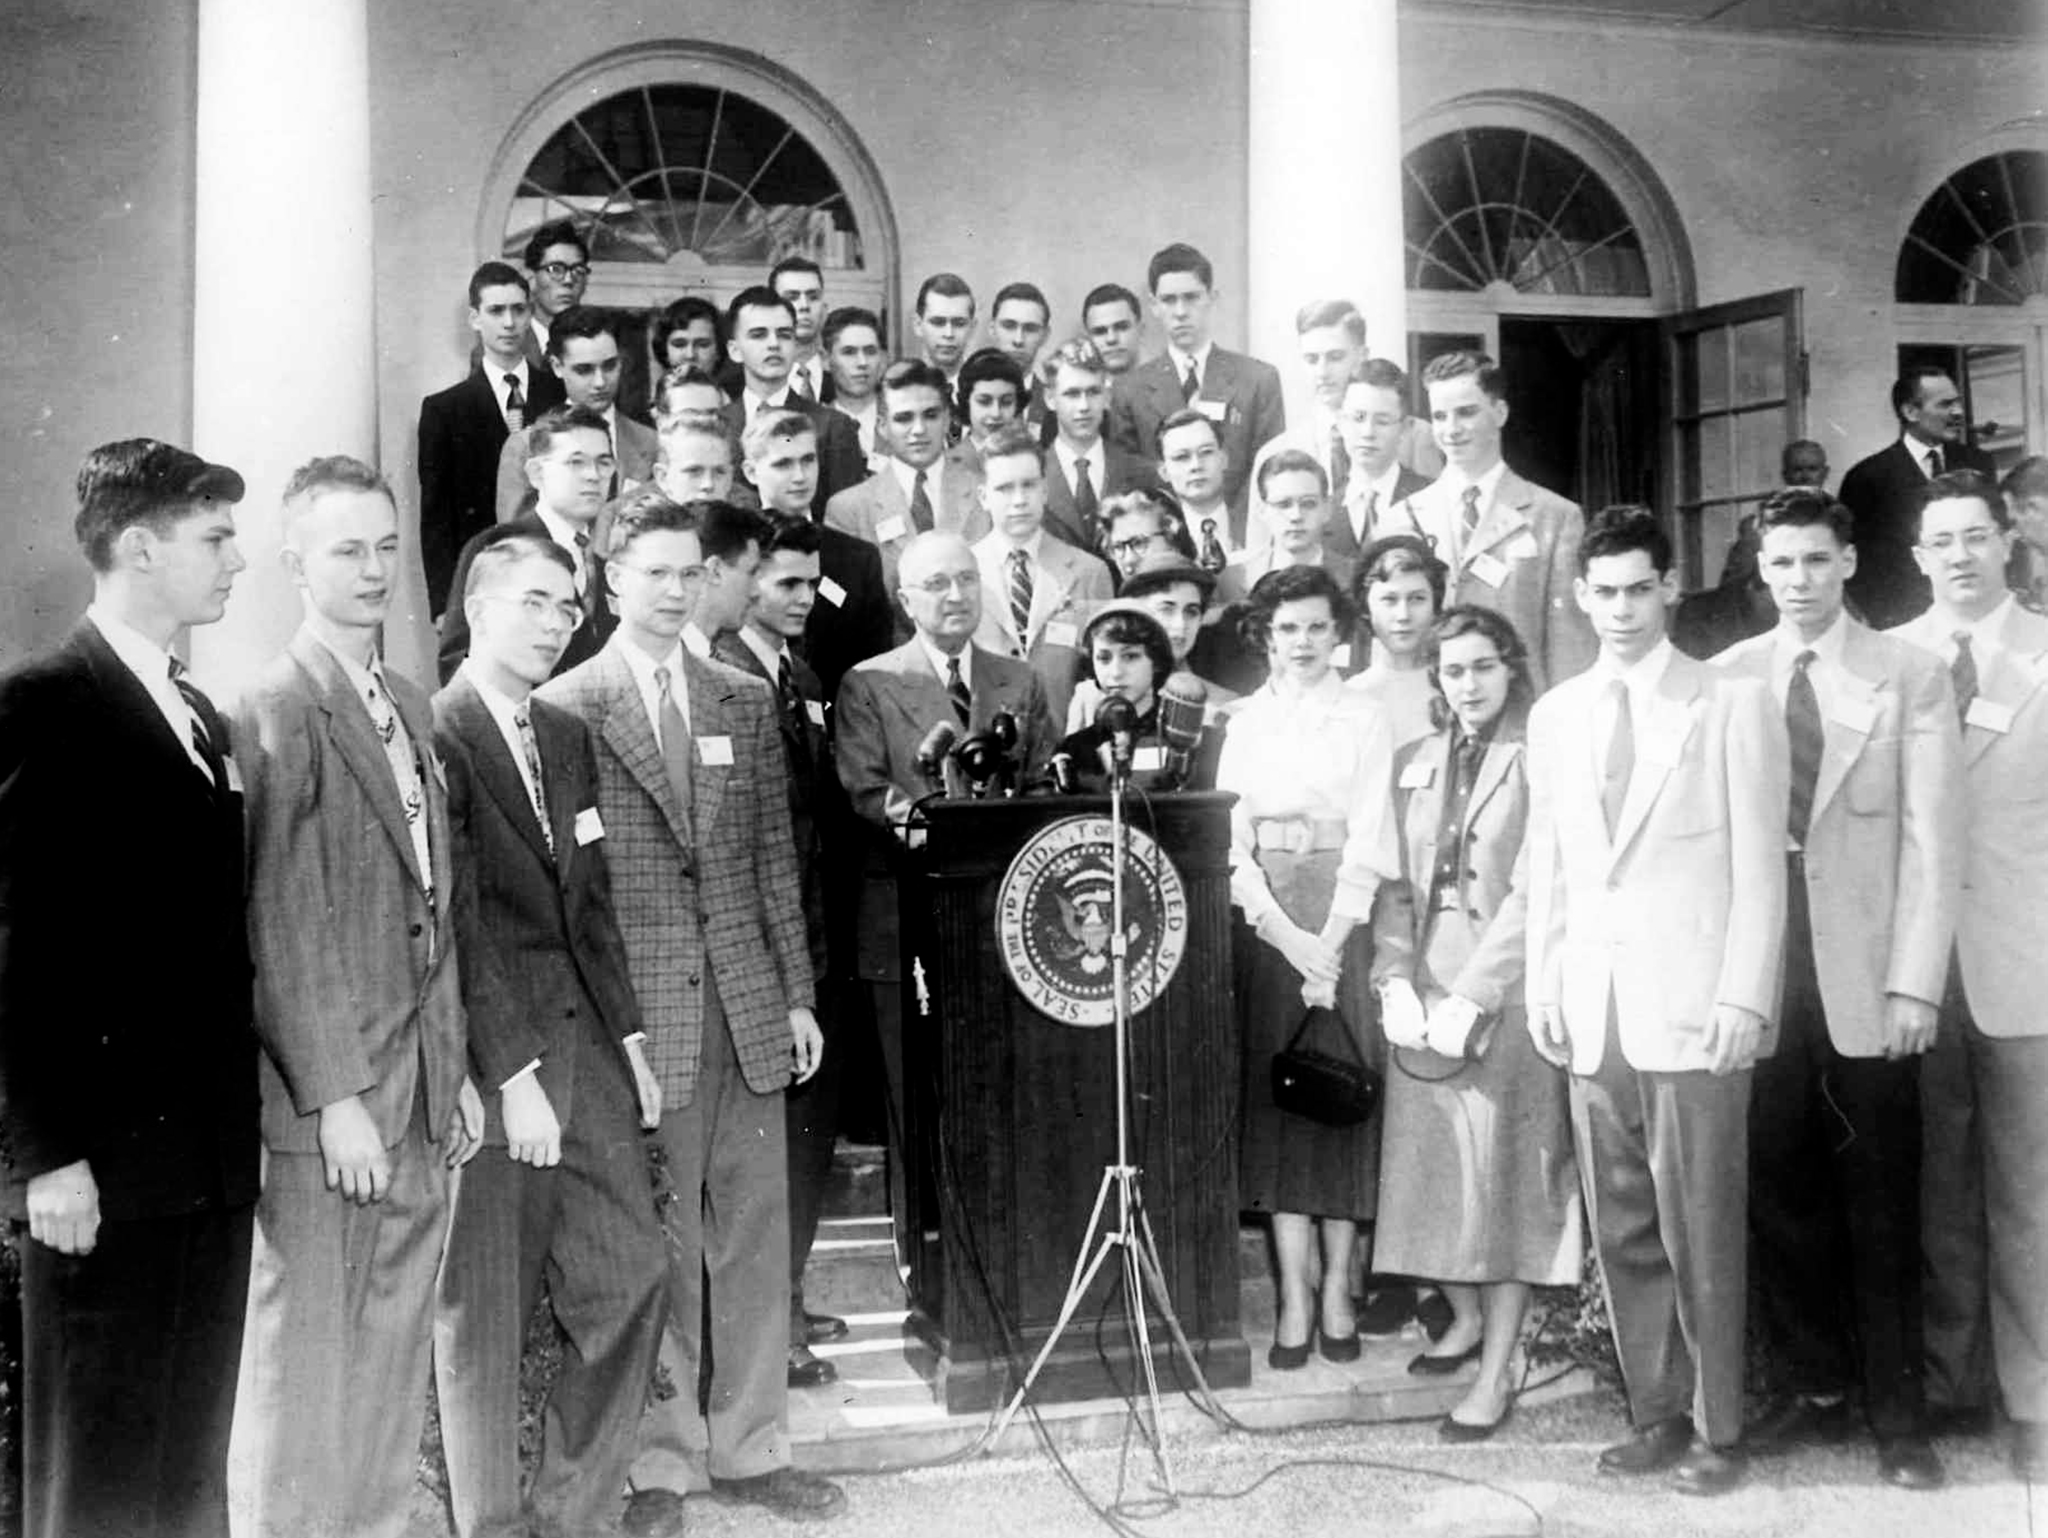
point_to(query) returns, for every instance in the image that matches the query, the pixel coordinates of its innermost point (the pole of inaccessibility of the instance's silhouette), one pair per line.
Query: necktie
(529, 747)
(1191, 383)
(793, 707)
(1340, 467)
(1212, 557)
(515, 404)
(201, 738)
(1020, 595)
(1934, 462)
(1468, 523)
(675, 746)
(1369, 509)
(1085, 505)
(1621, 758)
(1802, 725)
(800, 382)
(1963, 673)
(956, 691)
(404, 760)
(920, 505)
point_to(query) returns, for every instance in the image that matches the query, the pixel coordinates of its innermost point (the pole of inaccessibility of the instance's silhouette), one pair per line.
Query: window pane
(1982, 238)
(1759, 360)
(1716, 458)
(1711, 376)
(1759, 441)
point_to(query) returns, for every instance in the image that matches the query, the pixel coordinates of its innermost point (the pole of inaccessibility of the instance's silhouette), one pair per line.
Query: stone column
(284, 365)
(1325, 174)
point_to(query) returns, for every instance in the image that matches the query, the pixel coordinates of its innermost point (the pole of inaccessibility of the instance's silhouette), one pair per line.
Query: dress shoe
(1707, 1470)
(1427, 1366)
(1910, 1463)
(1451, 1429)
(1651, 1450)
(819, 1328)
(1286, 1358)
(1339, 1348)
(2030, 1450)
(788, 1492)
(1796, 1420)
(1960, 1420)
(653, 1514)
(807, 1370)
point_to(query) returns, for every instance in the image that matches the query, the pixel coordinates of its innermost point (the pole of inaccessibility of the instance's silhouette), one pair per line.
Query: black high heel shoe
(1287, 1358)
(1427, 1366)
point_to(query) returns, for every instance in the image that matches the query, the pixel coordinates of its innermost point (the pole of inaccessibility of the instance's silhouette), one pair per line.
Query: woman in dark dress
(1312, 837)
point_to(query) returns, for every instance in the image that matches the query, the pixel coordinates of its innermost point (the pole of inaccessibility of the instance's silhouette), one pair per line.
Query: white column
(1325, 174)
(284, 366)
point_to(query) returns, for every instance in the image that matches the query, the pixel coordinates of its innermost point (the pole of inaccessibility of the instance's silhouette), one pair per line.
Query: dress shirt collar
(495, 372)
(540, 331)
(756, 404)
(642, 667)
(504, 710)
(1220, 513)
(1787, 644)
(769, 655)
(1643, 678)
(563, 531)
(138, 653)
(698, 643)
(1920, 451)
(1489, 484)
(1066, 454)
(934, 479)
(1986, 634)
(1327, 690)
(939, 659)
(1200, 359)
(1002, 545)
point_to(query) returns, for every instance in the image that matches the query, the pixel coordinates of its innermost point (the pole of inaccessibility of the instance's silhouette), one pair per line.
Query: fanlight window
(1486, 206)
(1982, 238)
(690, 176)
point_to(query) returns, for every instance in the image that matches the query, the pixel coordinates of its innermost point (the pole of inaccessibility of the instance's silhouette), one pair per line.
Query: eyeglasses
(665, 576)
(564, 272)
(1137, 544)
(583, 464)
(1976, 541)
(541, 608)
(939, 586)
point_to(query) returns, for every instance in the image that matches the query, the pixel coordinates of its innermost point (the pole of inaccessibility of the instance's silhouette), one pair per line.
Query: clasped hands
(1318, 958)
(1444, 1028)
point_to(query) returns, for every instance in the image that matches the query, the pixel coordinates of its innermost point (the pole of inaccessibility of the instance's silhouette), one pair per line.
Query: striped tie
(1020, 596)
(529, 746)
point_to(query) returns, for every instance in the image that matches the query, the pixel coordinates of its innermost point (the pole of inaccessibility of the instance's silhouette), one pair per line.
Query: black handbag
(1336, 1091)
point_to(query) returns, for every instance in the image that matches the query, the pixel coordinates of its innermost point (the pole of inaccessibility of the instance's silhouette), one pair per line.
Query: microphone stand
(1131, 1238)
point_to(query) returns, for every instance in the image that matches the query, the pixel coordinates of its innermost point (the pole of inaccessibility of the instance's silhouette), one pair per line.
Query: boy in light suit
(1656, 850)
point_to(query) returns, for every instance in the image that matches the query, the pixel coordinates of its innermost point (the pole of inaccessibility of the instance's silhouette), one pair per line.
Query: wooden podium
(1012, 1114)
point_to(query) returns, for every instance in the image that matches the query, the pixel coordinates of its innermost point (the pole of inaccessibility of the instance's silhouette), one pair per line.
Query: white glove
(1401, 1016)
(1450, 1025)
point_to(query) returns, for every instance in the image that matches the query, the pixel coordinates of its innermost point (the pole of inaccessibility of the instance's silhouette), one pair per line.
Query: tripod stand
(1130, 1238)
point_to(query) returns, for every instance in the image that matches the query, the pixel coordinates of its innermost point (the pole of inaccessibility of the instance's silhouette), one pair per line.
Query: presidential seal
(1055, 920)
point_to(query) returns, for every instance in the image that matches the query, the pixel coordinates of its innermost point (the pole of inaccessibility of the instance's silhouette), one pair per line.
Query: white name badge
(234, 773)
(1150, 758)
(1418, 776)
(815, 709)
(1522, 546)
(886, 530)
(589, 826)
(1857, 715)
(832, 592)
(1989, 714)
(714, 751)
(1340, 655)
(1059, 633)
(1215, 411)
(1488, 568)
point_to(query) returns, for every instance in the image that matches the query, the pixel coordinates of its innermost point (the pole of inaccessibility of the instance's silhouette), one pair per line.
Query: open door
(1737, 377)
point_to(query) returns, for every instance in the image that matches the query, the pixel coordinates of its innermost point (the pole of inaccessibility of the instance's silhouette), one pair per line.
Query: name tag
(832, 592)
(234, 773)
(1857, 715)
(589, 826)
(716, 752)
(1215, 411)
(1990, 715)
(1340, 655)
(1151, 757)
(1522, 546)
(1488, 568)
(815, 709)
(1059, 633)
(886, 530)
(1418, 776)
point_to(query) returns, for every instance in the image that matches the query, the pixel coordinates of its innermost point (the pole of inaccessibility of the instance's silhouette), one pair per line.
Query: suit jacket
(634, 444)
(718, 891)
(1884, 847)
(1888, 589)
(853, 618)
(124, 954)
(1491, 885)
(1340, 539)
(1521, 562)
(461, 435)
(1067, 587)
(2002, 923)
(543, 965)
(1684, 908)
(878, 511)
(357, 991)
(886, 705)
(598, 619)
(1114, 472)
(841, 461)
(1243, 398)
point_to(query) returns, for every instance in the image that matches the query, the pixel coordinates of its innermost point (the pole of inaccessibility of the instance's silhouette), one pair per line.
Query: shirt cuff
(530, 1068)
(632, 1037)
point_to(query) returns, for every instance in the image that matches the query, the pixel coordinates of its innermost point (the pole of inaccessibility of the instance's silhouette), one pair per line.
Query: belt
(1299, 835)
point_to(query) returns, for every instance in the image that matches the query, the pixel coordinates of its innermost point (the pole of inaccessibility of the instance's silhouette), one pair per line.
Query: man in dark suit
(562, 1184)
(1018, 323)
(765, 645)
(761, 338)
(1934, 438)
(569, 468)
(800, 283)
(463, 428)
(942, 320)
(696, 818)
(1084, 469)
(886, 706)
(128, 1149)
(1372, 423)
(366, 1106)
(1240, 395)
(1113, 321)
(583, 353)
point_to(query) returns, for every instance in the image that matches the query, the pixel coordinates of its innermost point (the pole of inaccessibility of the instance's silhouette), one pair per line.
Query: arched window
(1982, 238)
(1489, 206)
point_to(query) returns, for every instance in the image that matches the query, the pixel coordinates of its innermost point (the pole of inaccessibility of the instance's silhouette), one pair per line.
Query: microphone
(1066, 780)
(931, 753)
(981, 759)
(1183, 704)
(1003, 727)
(1117, 718)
